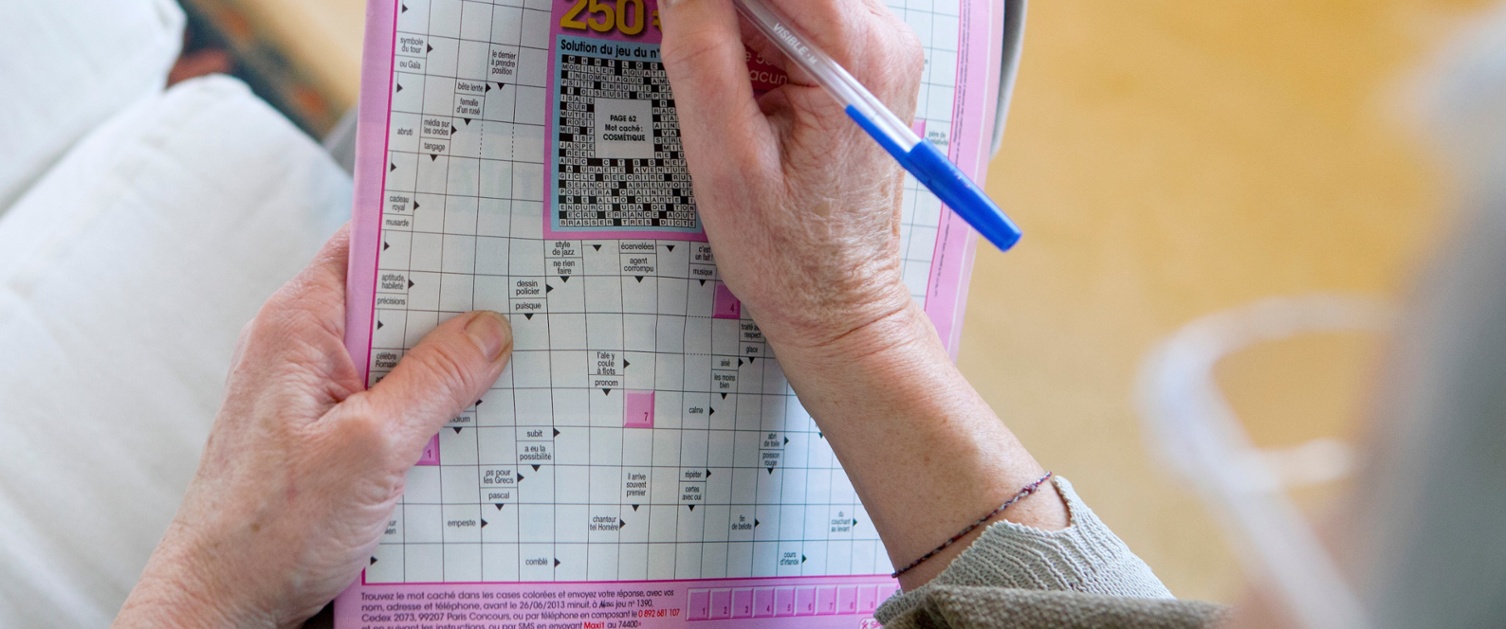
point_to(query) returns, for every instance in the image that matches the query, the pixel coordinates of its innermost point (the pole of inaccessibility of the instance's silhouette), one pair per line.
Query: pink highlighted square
(847, 599)
(805, 601)
(721, 604)
(868, 598)
(430, 457)
(638, 409)
(742, 603)
(763, 602)
(726, 305)
(699, 607)
(826, 601)
(784, 602)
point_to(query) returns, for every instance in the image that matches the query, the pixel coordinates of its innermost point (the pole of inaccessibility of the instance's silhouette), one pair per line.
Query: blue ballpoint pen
(928, 165)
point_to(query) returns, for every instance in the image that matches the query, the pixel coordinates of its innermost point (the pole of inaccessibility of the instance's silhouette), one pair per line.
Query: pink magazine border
(709, 581)
(956, 243)
(950, 271)
(349, 610)
(983, 149)
(375, 118)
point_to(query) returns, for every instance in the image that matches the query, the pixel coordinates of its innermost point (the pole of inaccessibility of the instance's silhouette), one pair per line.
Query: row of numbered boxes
(823, 600)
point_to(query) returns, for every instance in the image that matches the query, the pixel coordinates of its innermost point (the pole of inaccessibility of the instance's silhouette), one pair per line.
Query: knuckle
(288, 295)
(912, 53)
(306, 292)
(362, 442)
(243, 337)
(904, 54)
(684, 53)
(448, 365)
(893, 60)
(363, 434)
(837, 23)
(261, 339)
(269, 329)
(287, 338)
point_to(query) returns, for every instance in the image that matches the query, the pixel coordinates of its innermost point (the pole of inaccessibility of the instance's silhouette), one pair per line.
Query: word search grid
(644, 431)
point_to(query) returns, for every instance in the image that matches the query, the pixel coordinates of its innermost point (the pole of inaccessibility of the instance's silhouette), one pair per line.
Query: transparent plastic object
(780, 30)
(1191, 426)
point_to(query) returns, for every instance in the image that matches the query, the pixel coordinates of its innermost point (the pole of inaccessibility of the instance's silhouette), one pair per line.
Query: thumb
(443, 375)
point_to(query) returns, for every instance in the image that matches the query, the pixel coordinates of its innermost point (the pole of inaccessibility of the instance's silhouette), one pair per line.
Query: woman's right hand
(803, 213)
(801, 207)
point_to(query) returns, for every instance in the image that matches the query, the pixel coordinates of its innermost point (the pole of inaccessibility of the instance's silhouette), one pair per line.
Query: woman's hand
(801, 207)
(303, 468)
(803, 212)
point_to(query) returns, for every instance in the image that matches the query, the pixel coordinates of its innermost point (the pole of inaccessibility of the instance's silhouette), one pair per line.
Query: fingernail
(491, 334)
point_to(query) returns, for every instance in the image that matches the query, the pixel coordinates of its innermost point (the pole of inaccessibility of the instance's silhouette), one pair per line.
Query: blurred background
(1167, 159)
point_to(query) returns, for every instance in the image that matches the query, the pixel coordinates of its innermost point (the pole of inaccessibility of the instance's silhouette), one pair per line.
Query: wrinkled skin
(801, 207)
(303, 470)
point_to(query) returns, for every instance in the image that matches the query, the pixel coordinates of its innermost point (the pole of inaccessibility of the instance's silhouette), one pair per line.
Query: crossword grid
(552, 476)
(633, 182)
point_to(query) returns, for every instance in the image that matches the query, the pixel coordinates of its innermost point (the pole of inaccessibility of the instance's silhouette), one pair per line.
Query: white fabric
(70, 65)
(126, 275)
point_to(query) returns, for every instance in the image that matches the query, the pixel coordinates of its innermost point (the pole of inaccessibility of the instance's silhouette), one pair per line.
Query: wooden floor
(1167, 159)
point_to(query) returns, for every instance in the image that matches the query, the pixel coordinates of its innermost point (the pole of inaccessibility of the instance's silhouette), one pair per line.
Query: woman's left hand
(303, 468)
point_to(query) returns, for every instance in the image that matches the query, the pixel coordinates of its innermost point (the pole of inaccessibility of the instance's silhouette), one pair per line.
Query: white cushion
(126, 275)
(70, 65)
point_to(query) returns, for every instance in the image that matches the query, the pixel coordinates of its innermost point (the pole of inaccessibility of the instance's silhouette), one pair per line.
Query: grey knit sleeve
(1084, 557)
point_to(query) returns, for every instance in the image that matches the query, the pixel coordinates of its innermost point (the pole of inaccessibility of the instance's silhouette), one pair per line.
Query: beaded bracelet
(1024, 493)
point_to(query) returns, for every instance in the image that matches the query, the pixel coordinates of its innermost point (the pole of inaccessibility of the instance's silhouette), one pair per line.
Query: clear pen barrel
(828, 73)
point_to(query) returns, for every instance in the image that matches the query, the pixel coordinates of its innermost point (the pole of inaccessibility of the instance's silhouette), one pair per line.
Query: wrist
(883, 338)
(811, 316)
(924, 451)
(180, 587)
(896, 362)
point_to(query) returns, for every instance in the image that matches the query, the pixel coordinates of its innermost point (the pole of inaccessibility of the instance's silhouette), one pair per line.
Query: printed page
(643, 462)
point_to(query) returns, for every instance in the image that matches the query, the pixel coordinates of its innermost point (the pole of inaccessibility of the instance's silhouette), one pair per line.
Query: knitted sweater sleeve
(1084, 557)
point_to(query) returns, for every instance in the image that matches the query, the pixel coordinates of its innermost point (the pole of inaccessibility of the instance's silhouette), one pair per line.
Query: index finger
(708, 69)
(863, 36)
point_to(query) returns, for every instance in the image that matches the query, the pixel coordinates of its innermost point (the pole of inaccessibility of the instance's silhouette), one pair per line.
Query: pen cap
(960, 194)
